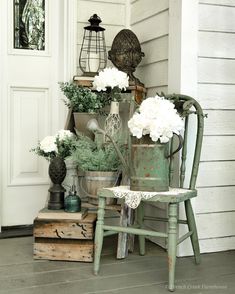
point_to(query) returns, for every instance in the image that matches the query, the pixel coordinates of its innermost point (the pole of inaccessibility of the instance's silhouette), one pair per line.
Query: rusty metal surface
(150, 166)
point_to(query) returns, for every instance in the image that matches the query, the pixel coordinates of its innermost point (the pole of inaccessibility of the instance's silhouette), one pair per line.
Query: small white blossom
(48, 144)
(158, 118)
(110, 77)
(63, 134)
(139, 123)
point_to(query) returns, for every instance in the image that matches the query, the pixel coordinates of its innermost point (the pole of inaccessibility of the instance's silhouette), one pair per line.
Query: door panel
(29, 120)
(31, 109)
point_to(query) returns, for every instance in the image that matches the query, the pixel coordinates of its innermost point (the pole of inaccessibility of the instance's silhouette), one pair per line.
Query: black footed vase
(57, 173)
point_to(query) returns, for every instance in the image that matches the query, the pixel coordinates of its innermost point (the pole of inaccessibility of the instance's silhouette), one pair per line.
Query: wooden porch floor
(20, 274)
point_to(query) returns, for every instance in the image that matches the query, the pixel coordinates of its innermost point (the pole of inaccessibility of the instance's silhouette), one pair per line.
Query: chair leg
(99, 234)
(192, 227)
(140, 221)
(172, 243)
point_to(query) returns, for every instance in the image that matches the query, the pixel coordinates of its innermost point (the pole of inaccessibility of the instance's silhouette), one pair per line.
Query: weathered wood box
(70, 240)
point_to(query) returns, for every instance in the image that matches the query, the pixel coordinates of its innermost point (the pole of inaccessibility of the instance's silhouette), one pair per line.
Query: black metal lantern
(93, 56)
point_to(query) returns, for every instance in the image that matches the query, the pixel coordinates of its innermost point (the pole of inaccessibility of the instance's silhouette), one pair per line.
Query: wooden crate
(70, 240)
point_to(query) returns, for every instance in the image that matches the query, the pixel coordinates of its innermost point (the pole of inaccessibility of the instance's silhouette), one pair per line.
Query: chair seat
(174, 195)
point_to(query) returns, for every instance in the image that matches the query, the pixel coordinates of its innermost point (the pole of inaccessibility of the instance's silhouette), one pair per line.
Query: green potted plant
(84, 103)
(100, 164)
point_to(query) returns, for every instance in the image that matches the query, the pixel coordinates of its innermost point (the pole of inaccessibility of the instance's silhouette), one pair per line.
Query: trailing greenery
(90, 157)
(82, 99)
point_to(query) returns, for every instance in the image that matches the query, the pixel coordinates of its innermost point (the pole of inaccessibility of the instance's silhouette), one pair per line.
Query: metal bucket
(149, 169)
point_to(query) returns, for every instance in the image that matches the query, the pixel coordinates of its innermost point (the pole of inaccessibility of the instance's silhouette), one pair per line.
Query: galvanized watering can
(149, 164)
(148, 167)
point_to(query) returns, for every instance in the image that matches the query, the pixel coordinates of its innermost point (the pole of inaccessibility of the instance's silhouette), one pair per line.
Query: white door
(30, 100)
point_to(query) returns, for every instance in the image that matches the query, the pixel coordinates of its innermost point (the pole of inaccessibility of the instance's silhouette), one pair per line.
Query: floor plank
(20, 274)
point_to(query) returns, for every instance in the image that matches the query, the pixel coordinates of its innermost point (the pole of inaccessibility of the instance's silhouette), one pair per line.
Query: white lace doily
(133, 198)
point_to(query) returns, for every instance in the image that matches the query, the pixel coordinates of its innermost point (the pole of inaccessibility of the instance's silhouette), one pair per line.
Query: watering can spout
(94, 127)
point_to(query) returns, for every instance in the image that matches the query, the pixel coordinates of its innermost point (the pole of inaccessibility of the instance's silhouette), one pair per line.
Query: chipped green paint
(150, 166)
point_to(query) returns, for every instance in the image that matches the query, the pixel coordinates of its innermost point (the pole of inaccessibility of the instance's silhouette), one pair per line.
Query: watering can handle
(179, 147)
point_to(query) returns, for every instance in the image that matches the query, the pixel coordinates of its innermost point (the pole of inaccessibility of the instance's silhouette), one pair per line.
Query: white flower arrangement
(61, 144)
(48, 144)
(111, 78)
(156, 117)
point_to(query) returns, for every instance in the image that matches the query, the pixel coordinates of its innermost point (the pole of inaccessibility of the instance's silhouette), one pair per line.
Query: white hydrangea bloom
(139, 124)
(63, 134)
(48, 144)
(158, 118)
(110, 77)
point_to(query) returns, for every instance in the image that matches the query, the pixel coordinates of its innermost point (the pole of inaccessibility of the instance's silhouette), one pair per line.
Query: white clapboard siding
(218, 148)
(152, 28)
(110, 12)
(215, 199)
(218, 45)
(152, 91)
(154, 74)
(216, 71)
(150, 22)
(216, 18)
(143, 9)
(216, 225)
(218, 2)
(212, 96)
(215, 205)
(217, 244)
(214, 174)
(209, 245)
(156, 50)
(220, 122)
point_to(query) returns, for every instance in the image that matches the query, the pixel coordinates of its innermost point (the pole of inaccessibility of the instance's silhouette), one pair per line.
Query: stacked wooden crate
(64, 239)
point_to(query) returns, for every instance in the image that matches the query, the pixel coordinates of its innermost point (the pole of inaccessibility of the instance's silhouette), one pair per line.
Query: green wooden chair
(186, 106)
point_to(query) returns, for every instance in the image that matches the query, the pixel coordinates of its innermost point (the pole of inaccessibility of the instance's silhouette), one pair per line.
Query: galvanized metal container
(149, 165)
